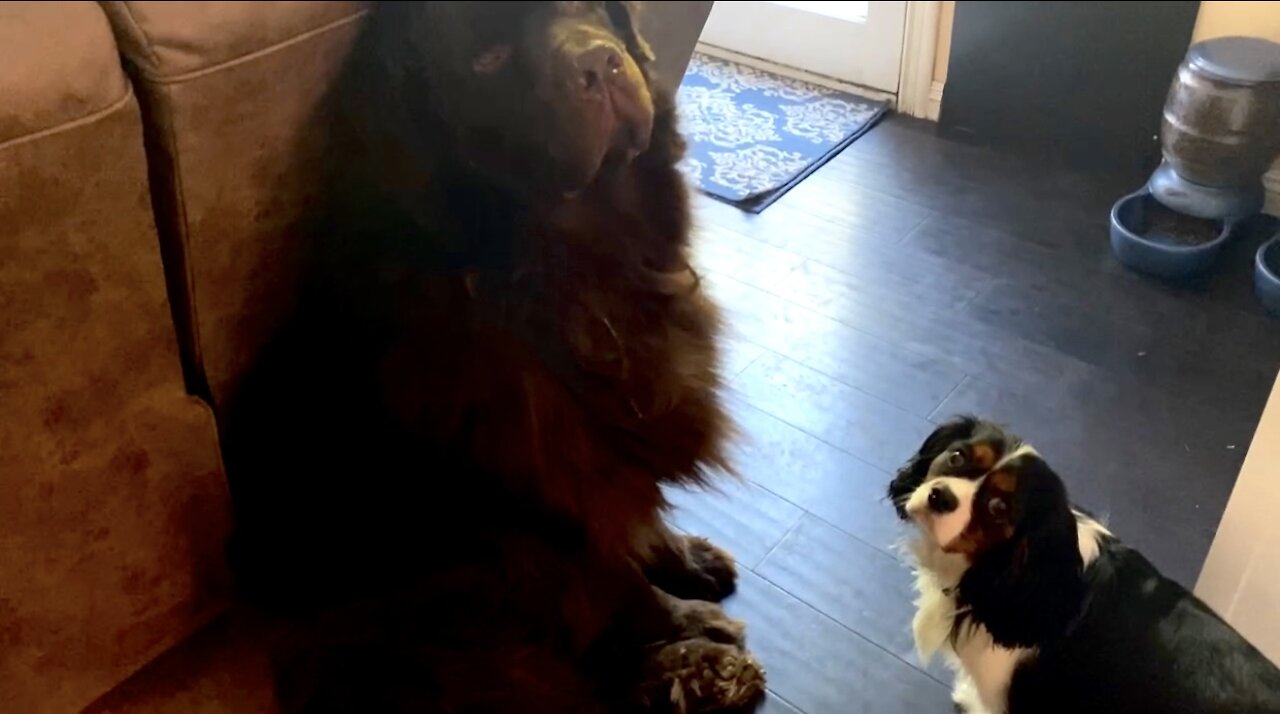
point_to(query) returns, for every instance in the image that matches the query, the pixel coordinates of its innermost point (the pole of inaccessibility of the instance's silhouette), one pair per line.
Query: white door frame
(864, 52)
(919, 47)
(916, 94)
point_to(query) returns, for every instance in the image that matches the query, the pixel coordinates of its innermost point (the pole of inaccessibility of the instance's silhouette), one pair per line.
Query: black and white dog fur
(1039, 609)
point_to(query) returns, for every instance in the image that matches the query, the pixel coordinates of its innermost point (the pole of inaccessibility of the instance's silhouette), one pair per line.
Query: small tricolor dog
(1039, 608)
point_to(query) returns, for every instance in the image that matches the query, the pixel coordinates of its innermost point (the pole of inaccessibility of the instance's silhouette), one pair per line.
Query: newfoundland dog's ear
(1031, 587)
(625, 19)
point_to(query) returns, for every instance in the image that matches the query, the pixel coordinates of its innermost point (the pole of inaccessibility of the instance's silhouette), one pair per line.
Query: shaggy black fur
(447, 466)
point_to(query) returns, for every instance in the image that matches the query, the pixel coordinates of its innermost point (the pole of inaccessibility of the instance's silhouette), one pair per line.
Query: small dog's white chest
(983, 668)
(989, 668)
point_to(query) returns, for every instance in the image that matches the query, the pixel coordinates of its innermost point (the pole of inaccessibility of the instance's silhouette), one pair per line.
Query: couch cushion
(169, 40)
(113, 506)
(229, 93)
(224, 669)
(47, 81)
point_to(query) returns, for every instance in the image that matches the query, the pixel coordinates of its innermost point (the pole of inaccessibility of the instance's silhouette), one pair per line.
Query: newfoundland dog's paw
(699, 675)
(716, 567)
(699, 618)
(695, 570)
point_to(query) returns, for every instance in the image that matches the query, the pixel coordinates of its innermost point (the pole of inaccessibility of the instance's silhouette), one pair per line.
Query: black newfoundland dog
(447, 466)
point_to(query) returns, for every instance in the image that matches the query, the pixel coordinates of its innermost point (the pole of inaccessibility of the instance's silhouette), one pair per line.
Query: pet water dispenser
(1220, 133)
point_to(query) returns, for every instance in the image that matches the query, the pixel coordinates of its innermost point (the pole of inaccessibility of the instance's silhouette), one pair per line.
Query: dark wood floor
(912, 278)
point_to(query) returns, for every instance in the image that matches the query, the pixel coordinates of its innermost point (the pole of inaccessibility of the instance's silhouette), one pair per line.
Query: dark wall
(1078, 82)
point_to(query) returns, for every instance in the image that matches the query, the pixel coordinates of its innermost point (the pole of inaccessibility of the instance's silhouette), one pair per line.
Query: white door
(1241, 577)
(856, 42)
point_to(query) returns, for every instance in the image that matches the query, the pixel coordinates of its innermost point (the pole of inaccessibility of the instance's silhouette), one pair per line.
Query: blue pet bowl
(1152, 238)
(1266, 275)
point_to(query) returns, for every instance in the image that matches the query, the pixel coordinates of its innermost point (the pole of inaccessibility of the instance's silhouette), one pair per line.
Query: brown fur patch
(987, 527)
(1003, 481)
(984, 456)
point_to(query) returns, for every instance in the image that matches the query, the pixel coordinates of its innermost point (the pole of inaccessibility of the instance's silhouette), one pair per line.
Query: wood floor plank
(1218, 366)
(842, 490)
(871, 266)
(875, 285)
(1082, 268)
(1024, 197)
(750, 261)
(739, 516)
(821, 667)
(882, 218)
(919, 324)
(737, 352)
(873, 218)
(878, 432)
(992, 351)
(859, 586)
(916, 383)
(775, 705)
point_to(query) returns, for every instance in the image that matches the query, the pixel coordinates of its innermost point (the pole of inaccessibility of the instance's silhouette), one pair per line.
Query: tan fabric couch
(153, 159)
(113, 505)
(228, 90)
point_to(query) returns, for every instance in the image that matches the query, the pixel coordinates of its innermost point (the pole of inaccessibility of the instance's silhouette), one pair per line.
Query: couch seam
(89, 118)
(296, 39)
(184, 235)
(146, 41)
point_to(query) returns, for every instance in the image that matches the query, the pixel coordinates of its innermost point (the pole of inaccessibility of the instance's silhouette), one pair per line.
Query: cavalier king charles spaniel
(1039, 609)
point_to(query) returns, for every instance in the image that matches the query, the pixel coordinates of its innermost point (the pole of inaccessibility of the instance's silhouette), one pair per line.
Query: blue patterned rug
(753, 135)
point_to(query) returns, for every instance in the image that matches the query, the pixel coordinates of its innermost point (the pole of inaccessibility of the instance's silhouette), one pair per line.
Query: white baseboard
(795, 73)
(919, 47)
(935, 102)
(1271, 181)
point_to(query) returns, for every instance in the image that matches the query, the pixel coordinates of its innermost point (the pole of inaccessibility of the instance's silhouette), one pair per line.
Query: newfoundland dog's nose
(614, 95)
(942, 500)
(598, 65)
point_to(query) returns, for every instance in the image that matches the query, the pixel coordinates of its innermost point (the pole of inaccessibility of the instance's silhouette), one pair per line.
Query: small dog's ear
(1031, 587)
(625, 18)
(949, 432)
(956, 429)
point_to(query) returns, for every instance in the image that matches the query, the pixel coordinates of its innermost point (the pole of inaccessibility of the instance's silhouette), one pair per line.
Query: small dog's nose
(599, 65)
(942, 500)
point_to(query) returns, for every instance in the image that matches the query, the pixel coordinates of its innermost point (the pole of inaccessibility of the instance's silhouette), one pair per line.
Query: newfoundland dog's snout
(612, 93)
(598, 64)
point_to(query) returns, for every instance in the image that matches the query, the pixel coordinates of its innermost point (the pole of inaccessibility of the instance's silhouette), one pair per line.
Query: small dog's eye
(956, 459)
(491, 60)
(997, 506)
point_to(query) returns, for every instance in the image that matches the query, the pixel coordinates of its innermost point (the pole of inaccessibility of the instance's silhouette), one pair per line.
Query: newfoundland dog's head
(536, 96)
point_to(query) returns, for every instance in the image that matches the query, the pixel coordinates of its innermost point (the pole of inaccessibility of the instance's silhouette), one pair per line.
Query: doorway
(853, 42)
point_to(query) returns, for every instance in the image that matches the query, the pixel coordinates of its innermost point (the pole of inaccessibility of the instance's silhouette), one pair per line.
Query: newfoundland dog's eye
(998, 507)
(491, 60)
(955, 459)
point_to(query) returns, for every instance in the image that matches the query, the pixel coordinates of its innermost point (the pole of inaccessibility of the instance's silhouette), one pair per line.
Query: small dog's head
(962, 449)
(981, 494)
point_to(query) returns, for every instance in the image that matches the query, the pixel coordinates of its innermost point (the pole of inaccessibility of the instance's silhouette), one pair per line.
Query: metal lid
(1247, 60)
